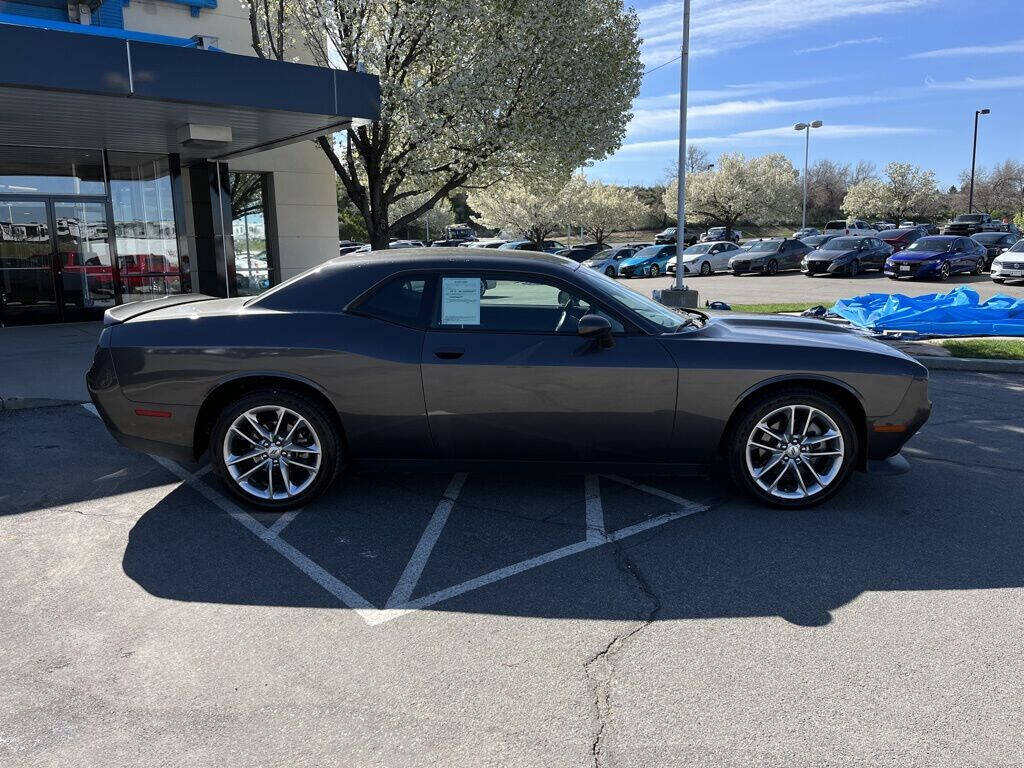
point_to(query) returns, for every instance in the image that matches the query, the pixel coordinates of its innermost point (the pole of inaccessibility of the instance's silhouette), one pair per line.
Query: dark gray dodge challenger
(466, 358)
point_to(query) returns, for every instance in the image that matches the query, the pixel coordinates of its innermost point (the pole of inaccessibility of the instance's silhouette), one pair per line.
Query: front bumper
(1008, 270)
(822, 267)
(916, 268)
(887, 435)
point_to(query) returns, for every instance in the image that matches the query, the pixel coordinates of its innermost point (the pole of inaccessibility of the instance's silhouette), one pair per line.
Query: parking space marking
(399, 604)
(595, 509)
(414, 568)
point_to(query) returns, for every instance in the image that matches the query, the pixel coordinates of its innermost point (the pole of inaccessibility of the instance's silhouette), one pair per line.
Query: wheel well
(232, 390)
(841, 395)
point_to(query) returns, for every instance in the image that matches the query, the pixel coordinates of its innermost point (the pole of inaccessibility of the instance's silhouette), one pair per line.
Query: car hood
(819, 255)
(915, 256)
(753, 255)
(802, 332)
(633, 261)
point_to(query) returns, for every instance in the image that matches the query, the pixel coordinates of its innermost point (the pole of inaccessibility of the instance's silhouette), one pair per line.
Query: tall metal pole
(807, 151)
(684, 71)
(974, 155)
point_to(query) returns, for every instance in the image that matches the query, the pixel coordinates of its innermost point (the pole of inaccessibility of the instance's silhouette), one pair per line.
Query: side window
(503, 305)
(400, 300)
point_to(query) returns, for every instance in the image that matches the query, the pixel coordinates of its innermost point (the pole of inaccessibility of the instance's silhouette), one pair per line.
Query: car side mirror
(597, 328)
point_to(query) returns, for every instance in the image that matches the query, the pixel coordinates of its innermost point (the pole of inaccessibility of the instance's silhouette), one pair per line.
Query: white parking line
(595, 510)
(399, 604)
(414, 568)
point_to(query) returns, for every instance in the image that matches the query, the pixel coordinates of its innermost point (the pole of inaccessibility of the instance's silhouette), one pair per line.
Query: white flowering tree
(904, 190)
(761, 191)
(471, 90)
(603, 209)
(532, 210)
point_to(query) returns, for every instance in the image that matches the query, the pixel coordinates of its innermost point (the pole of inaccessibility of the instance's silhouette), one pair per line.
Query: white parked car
(1008, 265)
(705, 258)
(493, 242)
(851, 228)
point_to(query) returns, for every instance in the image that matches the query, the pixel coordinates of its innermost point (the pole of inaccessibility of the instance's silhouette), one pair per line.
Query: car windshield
(647, 308)
(970, 218)
(896, 234)
(842, 244)
(702, 248)
(1018, 247)
(765, 246)
(989, 237)
(669, 231)
(649, 253)
(817, 239)
(930, 244)
(716, 231)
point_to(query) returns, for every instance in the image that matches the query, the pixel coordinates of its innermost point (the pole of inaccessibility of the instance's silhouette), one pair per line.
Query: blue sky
(891, 79)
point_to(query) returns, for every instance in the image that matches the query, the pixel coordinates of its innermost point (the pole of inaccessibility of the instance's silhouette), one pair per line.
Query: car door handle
(449, 353)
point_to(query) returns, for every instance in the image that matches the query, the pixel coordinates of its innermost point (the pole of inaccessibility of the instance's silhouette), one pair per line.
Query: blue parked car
(938, 257)
(548, 246)
(647, 262)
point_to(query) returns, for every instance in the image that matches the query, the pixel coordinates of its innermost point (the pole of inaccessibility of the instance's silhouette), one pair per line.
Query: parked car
(853, 228)
(493, 242)
(347, 246)
(393, 244)
(414, 368)
(816, 241)
(705, 258)
(968, 224)
(547, 246)
(937, 256)
(586, 250)
(768, 257)
(882, 226)
(847, 256)
(898, 239)
(1008, 265)
(668, 235)
(647, 262)
(608, 261)
(800, 234)
(717, 235)
(994, 243)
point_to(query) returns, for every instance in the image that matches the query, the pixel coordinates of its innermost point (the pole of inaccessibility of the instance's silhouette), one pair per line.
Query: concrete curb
(25, 403)
(977, 365)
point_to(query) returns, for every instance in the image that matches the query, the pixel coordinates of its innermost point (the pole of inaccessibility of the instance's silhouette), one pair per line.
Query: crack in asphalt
(600, 668)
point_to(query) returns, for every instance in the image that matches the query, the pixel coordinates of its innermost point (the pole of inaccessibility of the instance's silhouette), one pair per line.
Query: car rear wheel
(705, 268)
(792, 449)
(609, 271)
(275, 450)
(654, 270)
(854, 268)
(772, 268)
(979, 267)
(998, 280)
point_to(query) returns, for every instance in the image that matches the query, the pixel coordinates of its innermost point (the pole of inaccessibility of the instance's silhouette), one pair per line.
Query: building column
(213, 254)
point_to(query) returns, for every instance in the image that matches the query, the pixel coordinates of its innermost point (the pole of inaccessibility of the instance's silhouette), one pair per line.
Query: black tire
(979, 267)
(854, 267)
(322, 424)
(610, 271)
(944, 272)
(654, 270)
(705, 268)
(772, 268)
(893, 277)
(998, 280)
(747, 420)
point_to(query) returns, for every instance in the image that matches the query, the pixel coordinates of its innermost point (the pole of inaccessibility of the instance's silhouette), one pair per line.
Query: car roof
(447, 257)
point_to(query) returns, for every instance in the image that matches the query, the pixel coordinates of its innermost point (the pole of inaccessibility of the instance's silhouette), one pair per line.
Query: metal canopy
(67, 89)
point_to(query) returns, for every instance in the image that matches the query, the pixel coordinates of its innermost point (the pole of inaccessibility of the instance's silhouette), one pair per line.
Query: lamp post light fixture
(806, 128)
(974, 155)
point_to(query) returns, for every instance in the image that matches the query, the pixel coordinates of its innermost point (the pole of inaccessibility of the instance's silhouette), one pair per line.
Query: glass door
(28, 292)
(84, 258)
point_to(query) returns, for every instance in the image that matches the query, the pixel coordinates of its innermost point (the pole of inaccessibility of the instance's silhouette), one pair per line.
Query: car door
(719, 256)
(506, 377)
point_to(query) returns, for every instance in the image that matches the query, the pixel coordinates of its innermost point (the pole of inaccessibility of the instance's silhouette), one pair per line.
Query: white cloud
(774, 137)
(976, 84)
(718, 25)
(841, 44)
(1016, 46)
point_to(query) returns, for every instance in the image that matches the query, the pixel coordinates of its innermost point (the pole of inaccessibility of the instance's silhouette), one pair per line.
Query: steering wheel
(571, 313)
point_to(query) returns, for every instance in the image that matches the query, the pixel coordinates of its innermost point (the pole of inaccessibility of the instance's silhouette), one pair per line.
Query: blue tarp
(957, 313)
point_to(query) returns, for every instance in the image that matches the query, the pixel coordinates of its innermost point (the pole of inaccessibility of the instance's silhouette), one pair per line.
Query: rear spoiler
(126, 312)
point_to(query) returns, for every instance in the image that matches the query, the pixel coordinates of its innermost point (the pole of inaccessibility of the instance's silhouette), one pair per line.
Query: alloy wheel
(773, 267)
(705, 268)
(854, 268)
(944, 271)
(610, 272)
(795, 452)
(272, 452)
(654, 270)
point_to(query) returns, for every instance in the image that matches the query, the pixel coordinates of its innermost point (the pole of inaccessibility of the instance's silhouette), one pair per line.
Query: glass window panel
(50, 171)
(142, 287)
(140, 194)
(253, 261)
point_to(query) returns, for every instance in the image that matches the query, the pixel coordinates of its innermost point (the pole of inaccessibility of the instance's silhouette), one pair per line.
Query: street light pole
(806, 128)
(974, 155)
(684, 72)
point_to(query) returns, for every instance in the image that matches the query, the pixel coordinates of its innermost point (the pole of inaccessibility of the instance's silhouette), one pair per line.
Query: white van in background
(853, 228)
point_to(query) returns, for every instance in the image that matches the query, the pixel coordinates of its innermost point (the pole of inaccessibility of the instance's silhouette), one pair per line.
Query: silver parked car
(705, 258)
(608, 261)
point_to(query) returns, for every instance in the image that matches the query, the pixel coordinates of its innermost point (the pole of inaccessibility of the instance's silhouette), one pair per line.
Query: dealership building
(145, 151)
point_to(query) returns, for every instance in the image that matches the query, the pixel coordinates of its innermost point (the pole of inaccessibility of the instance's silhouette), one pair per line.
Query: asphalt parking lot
(414, 620)
(793, 287)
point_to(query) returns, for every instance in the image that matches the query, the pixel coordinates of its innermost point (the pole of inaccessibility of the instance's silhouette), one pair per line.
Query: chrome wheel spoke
(763, 447)
(764, 428)
(293, 448)
(244, 436)
(286, 478)
(277, 426)
(822, 453)
(776, 458)
(808, 455)
(815, 439)
(245, 475)
(817, 477)
(295, 463)
(260, 429)
(273, 449)
(231, 461)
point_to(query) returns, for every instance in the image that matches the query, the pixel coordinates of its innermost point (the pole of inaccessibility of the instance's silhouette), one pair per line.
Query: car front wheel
(654, 270)
(705, 268)
(944, 271)
(792, 449)
(609, 271)
(275, 450)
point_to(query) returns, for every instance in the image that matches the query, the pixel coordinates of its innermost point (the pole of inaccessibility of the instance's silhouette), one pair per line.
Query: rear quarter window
(400, 300)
